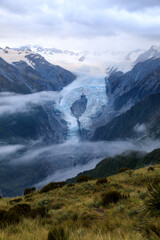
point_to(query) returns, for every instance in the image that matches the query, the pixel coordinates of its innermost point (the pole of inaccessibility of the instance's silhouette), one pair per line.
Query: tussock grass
(78, 209)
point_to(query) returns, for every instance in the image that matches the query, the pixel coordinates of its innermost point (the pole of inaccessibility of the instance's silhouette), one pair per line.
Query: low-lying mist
(29, 162)
(11, 103)
(66, 160)
(88, 154)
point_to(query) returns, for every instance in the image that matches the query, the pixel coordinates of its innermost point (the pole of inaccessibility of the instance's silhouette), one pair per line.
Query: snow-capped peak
(91, 63)
(153, 52)
(13, 55)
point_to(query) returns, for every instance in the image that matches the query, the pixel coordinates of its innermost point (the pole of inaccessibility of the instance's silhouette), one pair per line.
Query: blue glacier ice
(94, 89)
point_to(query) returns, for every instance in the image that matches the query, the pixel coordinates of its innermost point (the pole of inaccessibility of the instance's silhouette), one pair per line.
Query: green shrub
(29, 190)
(38, 212)
(130, 173)
(112, 197)
(70, 185)
(143, 195)
(83, 178)
(133, 212)
(121, 170)
(21, 210)
(101, 181)
(150, 169)
(2, 217)
(2, 213)
(44, 203)
(11, 217)
(52, 186)
(57, 206)
(58, 233)
(15, 214)
(153, 201)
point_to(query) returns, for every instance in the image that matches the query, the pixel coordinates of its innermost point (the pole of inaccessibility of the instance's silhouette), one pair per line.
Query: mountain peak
(155, 48)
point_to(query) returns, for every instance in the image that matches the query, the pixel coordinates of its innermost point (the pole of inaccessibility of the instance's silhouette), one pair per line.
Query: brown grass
(79, 210)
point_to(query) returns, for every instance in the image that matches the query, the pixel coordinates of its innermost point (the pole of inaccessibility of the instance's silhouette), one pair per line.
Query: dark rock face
(33, 125)
(11, 80)
(111, 80)
(140, 121)
(136, 85)
(79, 106)
(125, 91)
(55, 76)
(42, 121)
(20, 77)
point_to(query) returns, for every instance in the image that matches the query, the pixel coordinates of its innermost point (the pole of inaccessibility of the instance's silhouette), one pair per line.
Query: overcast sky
(80, 24)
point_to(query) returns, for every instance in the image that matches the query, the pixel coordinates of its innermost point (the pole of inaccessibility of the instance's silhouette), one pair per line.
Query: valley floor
(79, 210)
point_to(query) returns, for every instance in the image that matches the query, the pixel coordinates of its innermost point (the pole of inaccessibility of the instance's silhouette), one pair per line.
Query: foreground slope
(80, 211)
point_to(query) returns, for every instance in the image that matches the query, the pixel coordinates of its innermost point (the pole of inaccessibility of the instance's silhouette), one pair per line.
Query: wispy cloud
(7, 150)
(11, 103)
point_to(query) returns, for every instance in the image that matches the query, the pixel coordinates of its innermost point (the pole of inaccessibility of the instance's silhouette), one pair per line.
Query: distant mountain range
(109, 60)
(23, 70)
(95, 62)
(109, 96)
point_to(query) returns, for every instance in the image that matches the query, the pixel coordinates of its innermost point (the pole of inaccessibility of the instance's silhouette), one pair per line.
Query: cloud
(79, 153)
(62, 175)
(74, 20)
(27, 6)
(7, 150)
(67, 159)
(15, 103)
(140, 128)
(80, 156)
(75, 150)
(131, 5)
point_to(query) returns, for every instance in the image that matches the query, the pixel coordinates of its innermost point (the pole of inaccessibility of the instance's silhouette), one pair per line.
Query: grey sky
(80, 24)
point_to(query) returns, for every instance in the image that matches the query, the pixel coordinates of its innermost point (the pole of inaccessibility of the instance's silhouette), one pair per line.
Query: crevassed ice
(95, 91)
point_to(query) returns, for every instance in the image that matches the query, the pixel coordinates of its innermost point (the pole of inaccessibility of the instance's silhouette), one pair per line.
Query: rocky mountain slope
(25, 72)
(125, 90)
(11, 80)
(142, 120)
(44, 75)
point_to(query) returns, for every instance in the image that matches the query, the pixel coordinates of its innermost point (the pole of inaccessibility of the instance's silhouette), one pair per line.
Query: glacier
(95, 90)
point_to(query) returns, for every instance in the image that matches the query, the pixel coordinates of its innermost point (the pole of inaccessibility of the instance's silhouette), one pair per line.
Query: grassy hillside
(84, 211)
(130, 159)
